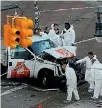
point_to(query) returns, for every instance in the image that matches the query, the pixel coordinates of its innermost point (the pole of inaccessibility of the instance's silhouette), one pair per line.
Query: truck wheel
(45, 79)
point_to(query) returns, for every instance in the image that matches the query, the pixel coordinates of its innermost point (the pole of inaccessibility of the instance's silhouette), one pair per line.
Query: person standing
(97, 78)
(68, 34)
(54, 34)
(71, 83)
(88, 62)
(45, 33)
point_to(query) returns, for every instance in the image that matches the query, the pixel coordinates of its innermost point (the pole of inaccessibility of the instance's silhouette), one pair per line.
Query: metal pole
(98, 16)
(36, 14)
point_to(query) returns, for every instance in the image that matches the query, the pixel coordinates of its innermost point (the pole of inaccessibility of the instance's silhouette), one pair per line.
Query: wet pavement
(19, 95)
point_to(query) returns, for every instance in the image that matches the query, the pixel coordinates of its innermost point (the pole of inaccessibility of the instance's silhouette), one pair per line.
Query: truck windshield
(40, 46)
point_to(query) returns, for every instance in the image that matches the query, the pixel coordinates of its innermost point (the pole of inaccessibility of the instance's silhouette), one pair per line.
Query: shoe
(91, 90)
(94, 98)
(78, 100)
(66, 101)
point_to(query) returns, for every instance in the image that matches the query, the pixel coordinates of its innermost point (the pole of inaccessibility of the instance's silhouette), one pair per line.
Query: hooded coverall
(69, 36)
(54, 37)
(71, 83)
(97, 78)
(52, 26)
(88, 69)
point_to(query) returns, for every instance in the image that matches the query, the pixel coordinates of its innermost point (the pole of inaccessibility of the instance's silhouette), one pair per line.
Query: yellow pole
(13, 22)
(8, 20)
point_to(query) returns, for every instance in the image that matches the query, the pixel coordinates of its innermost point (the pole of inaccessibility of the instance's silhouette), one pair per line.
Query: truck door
(20, 63)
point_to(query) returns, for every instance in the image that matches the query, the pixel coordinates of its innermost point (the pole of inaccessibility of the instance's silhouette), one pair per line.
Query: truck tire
(46, 79)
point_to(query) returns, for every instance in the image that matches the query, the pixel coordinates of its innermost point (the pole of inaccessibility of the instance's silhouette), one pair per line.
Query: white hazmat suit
(54, 37)
(88, 66)
(88, 71)
(96, 73)
(71, 83)
(69, 36)
(52, 26)
(44, 35)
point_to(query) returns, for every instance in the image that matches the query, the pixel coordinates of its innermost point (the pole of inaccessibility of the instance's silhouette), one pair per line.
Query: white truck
(42, 60)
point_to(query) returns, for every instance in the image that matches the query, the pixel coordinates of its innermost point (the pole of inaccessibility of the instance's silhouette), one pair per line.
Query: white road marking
(86, 40)
(12, 90)
(70, 9)
(3, 74)
(40, 89)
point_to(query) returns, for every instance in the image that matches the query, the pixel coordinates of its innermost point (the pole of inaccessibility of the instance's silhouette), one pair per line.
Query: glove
(72, 44)
(61, 36)
(64, 32)
(75, 63)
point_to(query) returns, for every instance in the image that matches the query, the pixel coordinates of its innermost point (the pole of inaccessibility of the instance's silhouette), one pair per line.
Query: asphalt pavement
(81, 15)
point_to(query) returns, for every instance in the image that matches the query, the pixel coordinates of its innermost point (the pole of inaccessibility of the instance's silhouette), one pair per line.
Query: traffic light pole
(98, 16)
(36, 14)
(98, 28)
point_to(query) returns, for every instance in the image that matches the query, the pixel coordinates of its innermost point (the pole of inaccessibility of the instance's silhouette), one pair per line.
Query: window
(21, 53)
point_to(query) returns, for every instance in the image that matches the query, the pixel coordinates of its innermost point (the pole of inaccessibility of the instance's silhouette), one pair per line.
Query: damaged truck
(43, 61)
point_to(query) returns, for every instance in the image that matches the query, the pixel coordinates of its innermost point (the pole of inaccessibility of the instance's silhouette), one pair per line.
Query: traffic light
(26, 32)
(14, 37)
(6, 29)
(11, 36)
(18, 32)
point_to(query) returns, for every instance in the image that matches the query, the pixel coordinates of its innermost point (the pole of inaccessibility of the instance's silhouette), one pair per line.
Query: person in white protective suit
(52, 32)
(96, 71)
(88, 61)
(37, 31)
(54, 35)
(45, 33)
(71, 83)
(68, 34)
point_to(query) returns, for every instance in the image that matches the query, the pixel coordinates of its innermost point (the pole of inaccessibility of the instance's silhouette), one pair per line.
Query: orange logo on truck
(20, 71)
(65, 52)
